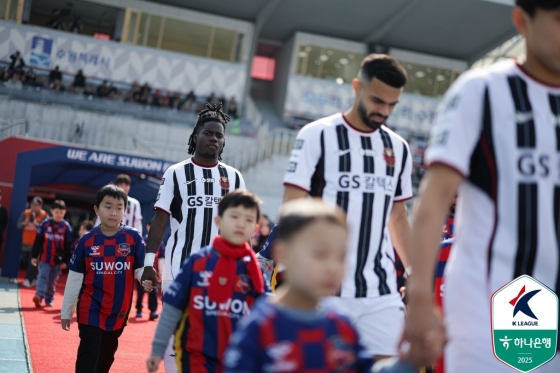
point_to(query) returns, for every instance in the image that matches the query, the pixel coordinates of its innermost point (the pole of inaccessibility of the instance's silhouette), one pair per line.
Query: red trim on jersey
(267, 333)
(402, 200)
(532, 77)
(354, 128)
(199, 165)
(296, 186)
(108, 288)
(162, 209)
(447, 165)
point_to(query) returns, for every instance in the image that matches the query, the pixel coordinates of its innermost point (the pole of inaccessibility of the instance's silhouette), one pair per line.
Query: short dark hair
(87, 224)
(530, 6)
(298, 214)
(58, 204)
(122, 179)
(240, 197)
(110, 190)
(383, 67)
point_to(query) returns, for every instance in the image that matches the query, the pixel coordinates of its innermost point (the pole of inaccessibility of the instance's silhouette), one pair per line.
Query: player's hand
(147, 285)
(34, 262)
(149, 274)
(65, 324)
(425, 332)
(153, 363)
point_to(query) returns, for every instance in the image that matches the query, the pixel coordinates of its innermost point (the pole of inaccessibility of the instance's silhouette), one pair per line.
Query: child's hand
(63, 266)
(153, 363)
(147, 285)
(34, 262)
(65, 324)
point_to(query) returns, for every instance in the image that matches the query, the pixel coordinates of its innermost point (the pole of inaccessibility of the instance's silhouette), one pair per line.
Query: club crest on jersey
(389, 156)
(244, 284)
(224, 182)
(124, 249)
(341, 355)
(222, 280)
(95, 250)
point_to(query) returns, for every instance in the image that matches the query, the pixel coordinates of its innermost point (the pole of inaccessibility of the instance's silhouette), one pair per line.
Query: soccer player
(133, 214)
(101, 276)
(496, 140)
(53, 245)
(213, 290)
(188, 197)
(352, 160)
(289, 333)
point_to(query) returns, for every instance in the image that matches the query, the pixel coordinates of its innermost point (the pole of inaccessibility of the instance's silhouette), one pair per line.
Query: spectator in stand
(5, 75)
(190, 101)
(15, 82)
(30, 77)
(17, 61)
(54, 75)
(89, 91)
(3, 220)
(112, 91)
(103, 90)
(156, 98)
(39, 82)
(175, 101)
(223, 100)
(29, 221)
(19, 70)
(57, 86)
(232, 107)
(212, 98)
(79, 80)
(146, 90)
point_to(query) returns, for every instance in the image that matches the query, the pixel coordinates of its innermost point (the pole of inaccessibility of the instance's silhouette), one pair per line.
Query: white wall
(58, 123)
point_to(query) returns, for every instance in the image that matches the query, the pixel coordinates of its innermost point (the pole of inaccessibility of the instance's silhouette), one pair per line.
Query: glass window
(3, 8)
(326, 63)
(12, 12)
(149, 30)
(427, 80)
(223, 45)
(184, 37)
(131, 29)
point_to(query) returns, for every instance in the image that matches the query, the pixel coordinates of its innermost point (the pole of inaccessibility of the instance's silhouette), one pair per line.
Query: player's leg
(152, 304)
(51, 288)
(169, 358)
(381, 324)
(42, 283)
(89, 348)
(109, 345)
(139, 299)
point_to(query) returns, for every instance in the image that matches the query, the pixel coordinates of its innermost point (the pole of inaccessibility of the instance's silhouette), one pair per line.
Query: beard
(367, 118)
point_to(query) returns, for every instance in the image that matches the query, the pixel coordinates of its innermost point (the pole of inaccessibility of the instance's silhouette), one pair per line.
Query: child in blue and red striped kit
(51, 251)
(215, 288)
(291, 332)
(102, 274)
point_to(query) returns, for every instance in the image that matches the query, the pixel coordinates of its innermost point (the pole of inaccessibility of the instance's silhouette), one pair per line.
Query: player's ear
(520, 18)
(357, 85)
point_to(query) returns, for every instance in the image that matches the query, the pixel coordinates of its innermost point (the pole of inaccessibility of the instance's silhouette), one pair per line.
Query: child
(214, 289)
(102, 271)
(53, 243)
(289, 333)
(152, 296)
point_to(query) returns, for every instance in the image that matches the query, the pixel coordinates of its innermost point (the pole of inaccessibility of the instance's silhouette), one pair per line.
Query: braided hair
(210, 113)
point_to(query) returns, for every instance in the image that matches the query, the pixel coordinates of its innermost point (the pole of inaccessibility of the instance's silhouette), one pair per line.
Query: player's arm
(175, 304)
(399, 228)
(37, 245)
(74, 282)
(292, 192)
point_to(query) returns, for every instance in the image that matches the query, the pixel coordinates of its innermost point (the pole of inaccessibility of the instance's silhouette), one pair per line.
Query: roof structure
(459, 29)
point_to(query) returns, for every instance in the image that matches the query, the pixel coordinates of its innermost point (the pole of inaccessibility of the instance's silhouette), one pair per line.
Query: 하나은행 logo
(524, 315)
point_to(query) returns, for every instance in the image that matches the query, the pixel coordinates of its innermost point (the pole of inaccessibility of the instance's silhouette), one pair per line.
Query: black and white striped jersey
(363, 173)
(190, 194)
(500, 128)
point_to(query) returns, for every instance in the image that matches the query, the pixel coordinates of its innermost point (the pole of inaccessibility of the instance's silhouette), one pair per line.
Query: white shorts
(169, 362)
(379, 320)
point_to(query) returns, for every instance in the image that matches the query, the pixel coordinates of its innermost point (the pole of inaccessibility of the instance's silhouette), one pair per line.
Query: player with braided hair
(188, 197)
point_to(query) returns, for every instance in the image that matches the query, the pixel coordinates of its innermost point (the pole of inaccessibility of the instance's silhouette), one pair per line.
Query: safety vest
(29, 233)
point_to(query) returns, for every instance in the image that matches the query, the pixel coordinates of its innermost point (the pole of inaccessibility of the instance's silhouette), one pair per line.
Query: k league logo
(524, 324)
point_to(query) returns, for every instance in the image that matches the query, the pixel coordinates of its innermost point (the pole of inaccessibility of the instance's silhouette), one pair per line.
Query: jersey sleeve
(458, 124)
(404, 183)
(77, 261)
(241, 181)
(244, 354)
(178, 294)
(306, 152)
(166, 191)
(139, 252)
